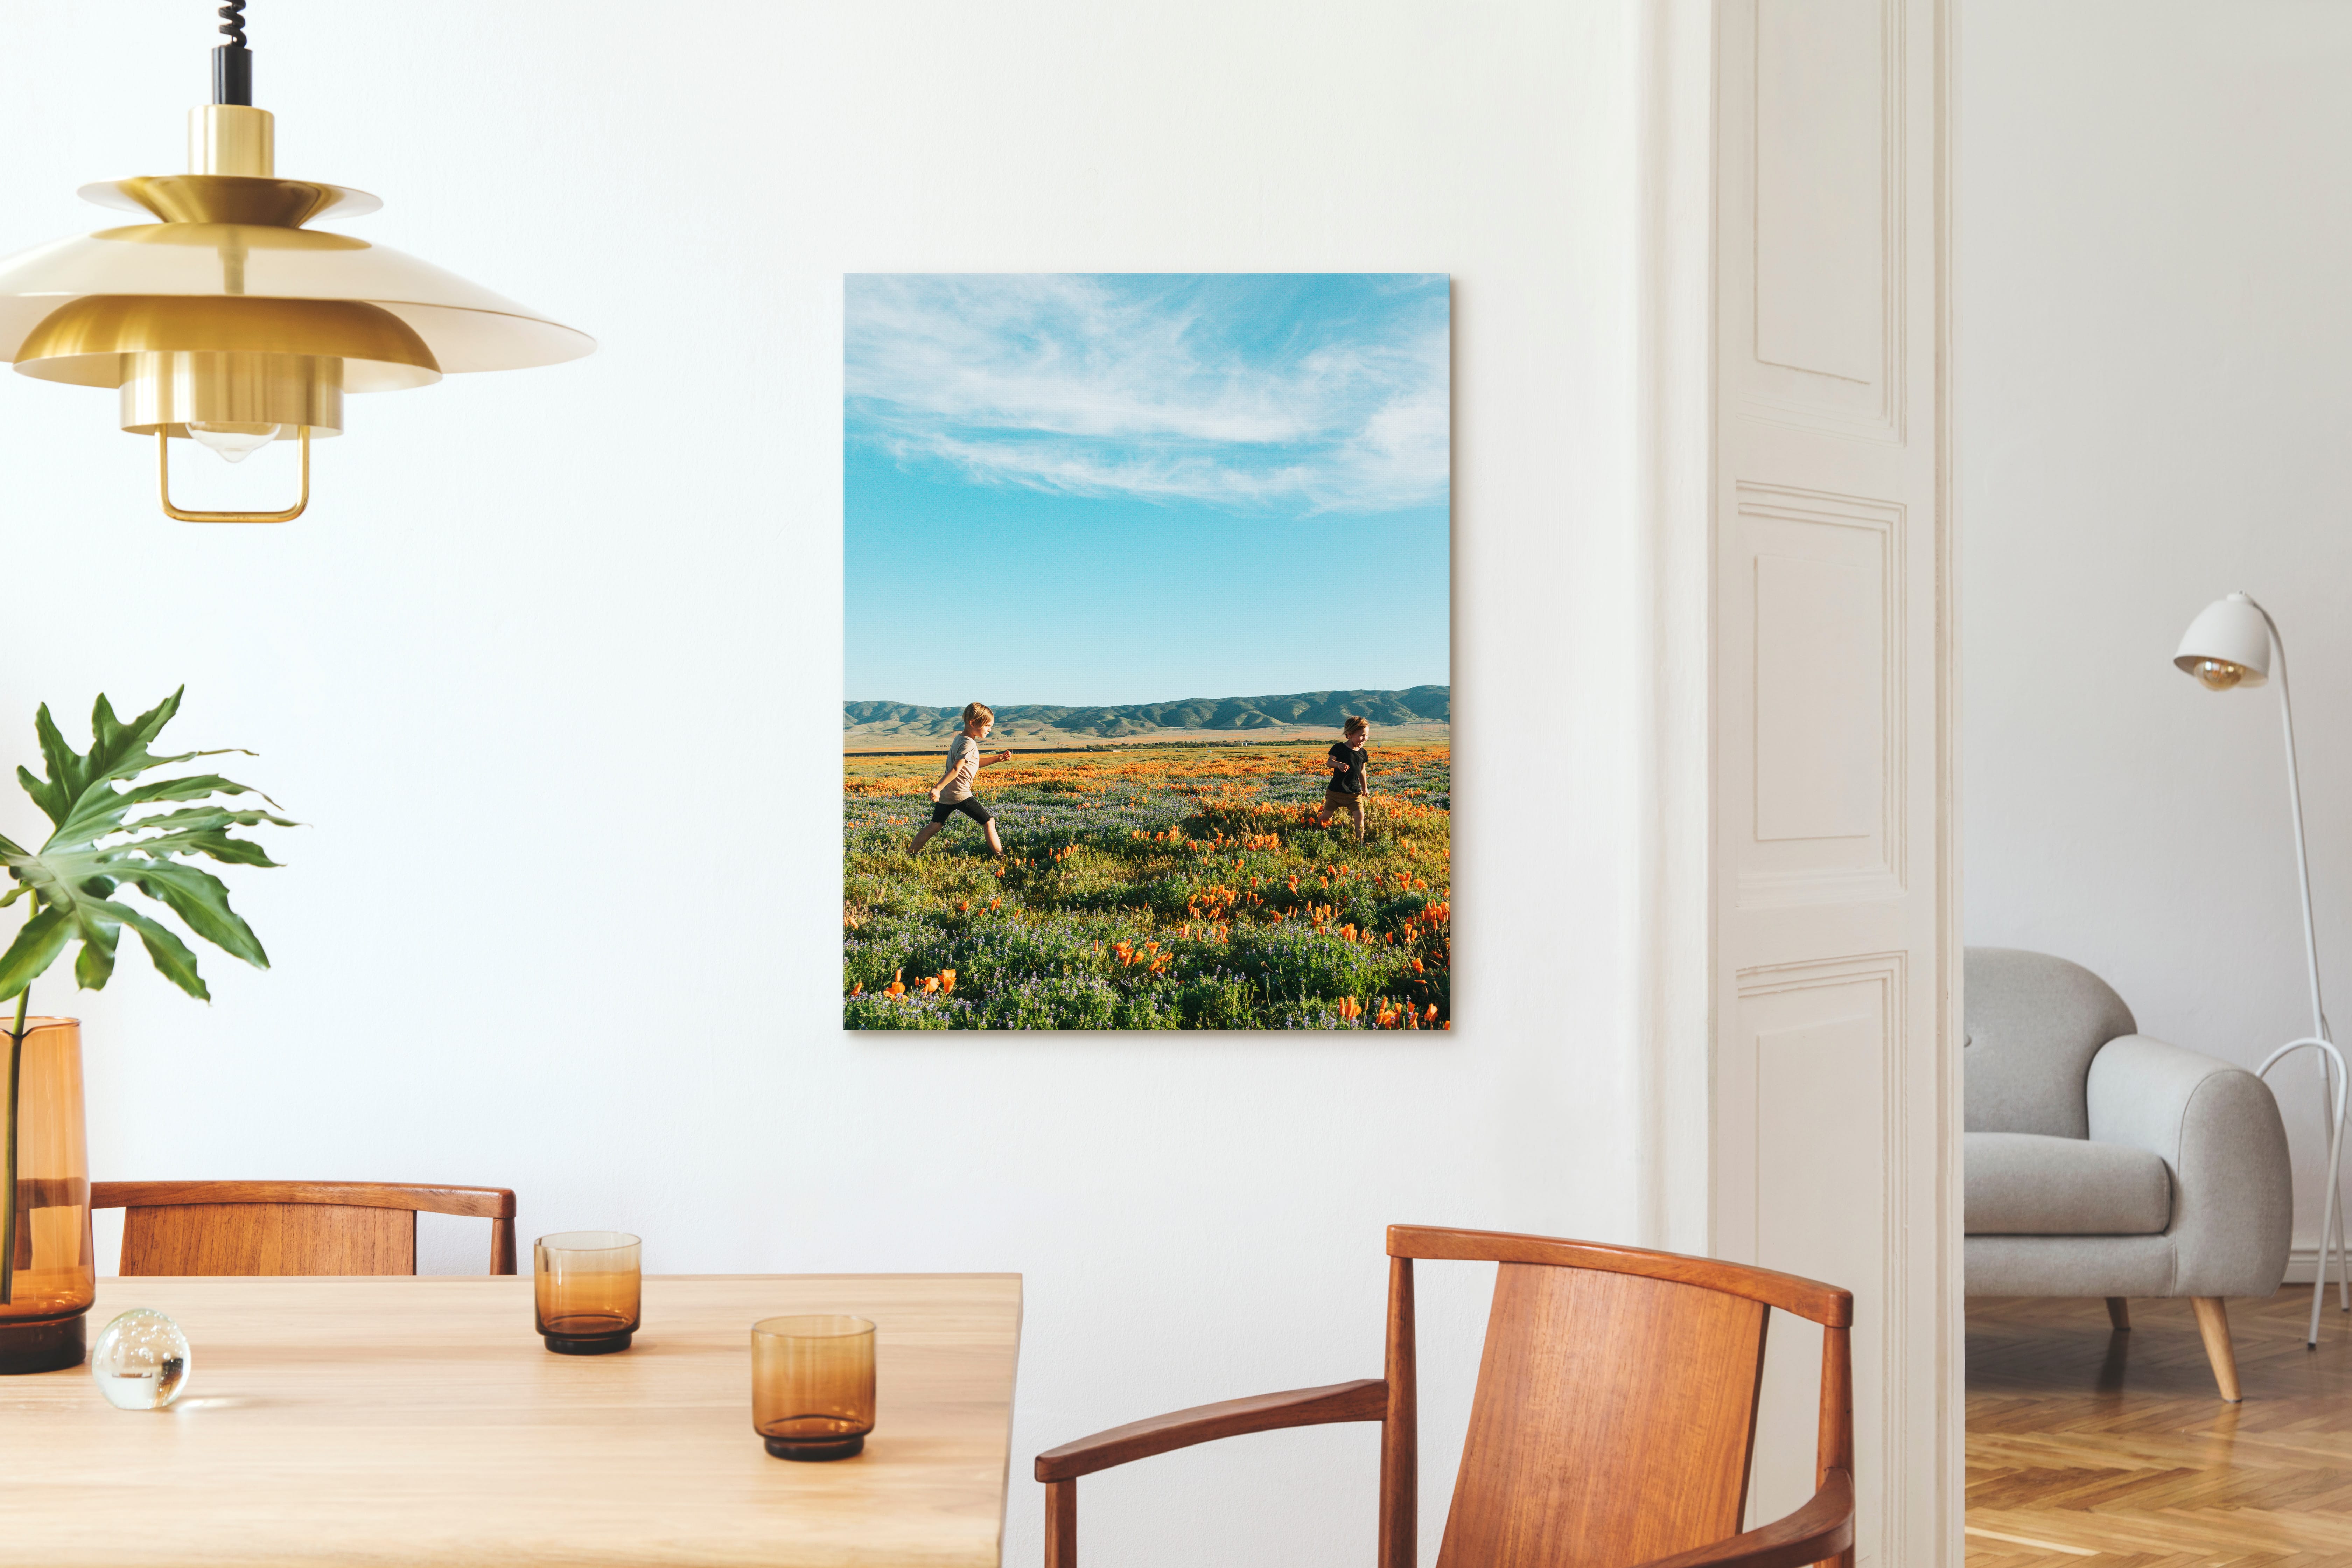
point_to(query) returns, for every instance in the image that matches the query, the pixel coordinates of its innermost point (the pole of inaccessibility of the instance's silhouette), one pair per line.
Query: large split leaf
(100, 850)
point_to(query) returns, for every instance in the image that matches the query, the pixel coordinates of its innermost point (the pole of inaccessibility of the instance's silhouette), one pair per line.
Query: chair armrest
(1367, 1400)
(2217, 1128)
(1814, 1534)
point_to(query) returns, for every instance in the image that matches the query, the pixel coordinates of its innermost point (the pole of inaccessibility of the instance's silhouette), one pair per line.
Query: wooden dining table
(420, 1420)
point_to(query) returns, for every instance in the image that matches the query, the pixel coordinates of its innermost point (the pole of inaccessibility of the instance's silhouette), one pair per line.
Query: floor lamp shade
(2228, 643)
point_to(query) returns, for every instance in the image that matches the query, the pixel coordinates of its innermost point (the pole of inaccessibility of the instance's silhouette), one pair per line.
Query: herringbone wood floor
(2093, 1449)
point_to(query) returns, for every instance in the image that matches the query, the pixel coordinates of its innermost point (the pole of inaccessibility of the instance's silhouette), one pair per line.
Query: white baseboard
(2302, 1264)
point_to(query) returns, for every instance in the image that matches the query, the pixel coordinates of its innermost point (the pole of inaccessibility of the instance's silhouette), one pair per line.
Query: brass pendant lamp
(229, 322)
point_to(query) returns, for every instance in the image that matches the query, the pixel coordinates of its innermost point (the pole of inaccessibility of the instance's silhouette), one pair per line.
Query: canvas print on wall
(1147, 668)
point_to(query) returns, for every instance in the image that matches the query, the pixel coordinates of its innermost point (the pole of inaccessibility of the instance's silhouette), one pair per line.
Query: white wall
(553, 666)
(2153, 329)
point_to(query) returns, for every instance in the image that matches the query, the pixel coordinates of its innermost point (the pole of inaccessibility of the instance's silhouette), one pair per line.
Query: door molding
(1819, 903)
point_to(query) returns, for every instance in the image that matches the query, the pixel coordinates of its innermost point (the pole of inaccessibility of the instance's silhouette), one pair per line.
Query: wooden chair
(1612, 1425)
(291, 1227)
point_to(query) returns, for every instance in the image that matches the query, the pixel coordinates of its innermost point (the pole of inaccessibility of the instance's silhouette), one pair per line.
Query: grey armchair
(2102, 1163)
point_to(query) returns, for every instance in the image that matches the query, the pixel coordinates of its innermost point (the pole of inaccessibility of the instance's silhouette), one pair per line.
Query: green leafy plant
(96, 850)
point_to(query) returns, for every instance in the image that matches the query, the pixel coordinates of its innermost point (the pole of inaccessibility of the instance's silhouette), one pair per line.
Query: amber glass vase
(53, 1278)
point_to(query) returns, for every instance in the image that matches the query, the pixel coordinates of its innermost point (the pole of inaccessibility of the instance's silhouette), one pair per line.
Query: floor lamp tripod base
(2331, 1224)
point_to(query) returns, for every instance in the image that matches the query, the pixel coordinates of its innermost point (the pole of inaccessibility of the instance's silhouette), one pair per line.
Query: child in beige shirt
(953, 793)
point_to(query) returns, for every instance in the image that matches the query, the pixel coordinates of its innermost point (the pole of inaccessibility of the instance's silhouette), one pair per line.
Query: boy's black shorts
(970, 805)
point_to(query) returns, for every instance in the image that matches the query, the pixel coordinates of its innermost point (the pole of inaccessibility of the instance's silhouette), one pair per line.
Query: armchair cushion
(2024, 1183)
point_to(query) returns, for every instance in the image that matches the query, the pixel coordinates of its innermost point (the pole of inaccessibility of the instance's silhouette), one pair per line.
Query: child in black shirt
(1349, 783)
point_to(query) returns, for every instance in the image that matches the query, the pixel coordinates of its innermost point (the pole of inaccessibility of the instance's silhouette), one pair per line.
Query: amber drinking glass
(813, 1385)
(53, 1279)
(587, 1290)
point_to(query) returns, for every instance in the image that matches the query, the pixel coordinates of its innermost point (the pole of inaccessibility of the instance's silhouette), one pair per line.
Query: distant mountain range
(1419, 709)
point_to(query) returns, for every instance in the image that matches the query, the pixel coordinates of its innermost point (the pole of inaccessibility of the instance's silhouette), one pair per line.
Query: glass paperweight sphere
(141, 1360)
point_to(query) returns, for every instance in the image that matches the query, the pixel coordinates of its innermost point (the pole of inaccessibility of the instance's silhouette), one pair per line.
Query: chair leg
(1062, 1524)
(2213, 1324)
(2119, 1314)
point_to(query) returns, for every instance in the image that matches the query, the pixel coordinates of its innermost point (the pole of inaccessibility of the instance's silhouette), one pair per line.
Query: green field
(1160, 887)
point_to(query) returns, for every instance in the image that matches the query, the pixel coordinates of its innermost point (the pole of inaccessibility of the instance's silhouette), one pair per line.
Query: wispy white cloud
(1248, 395)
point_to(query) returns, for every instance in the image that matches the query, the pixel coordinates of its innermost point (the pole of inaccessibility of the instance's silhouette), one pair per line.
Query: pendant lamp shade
(2228, 645)
(227, 319)
(180, 271)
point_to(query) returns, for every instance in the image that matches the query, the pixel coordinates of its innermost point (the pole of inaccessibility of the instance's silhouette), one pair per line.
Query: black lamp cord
(232, 61)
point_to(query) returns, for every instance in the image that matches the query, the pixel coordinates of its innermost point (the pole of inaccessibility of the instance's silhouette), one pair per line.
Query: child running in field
(953, 791)
(1349, 783)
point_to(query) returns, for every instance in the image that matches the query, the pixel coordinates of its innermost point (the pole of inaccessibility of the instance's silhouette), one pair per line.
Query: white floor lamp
(2230, 646)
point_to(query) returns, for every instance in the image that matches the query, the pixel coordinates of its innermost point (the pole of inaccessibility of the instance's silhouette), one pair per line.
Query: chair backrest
(1615, 1413)
(291, 1227)
(2032, 1024)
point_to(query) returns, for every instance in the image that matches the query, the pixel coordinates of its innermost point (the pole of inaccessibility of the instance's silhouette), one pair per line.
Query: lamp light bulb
(235, 443)
(2219, 674)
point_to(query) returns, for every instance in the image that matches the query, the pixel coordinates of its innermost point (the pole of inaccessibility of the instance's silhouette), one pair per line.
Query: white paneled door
(1831, 749)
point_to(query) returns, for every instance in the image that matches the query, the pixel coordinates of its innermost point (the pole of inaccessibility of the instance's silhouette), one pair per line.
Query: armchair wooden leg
(2119, 1314)
(2213, 1322)
(1060, 1524)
